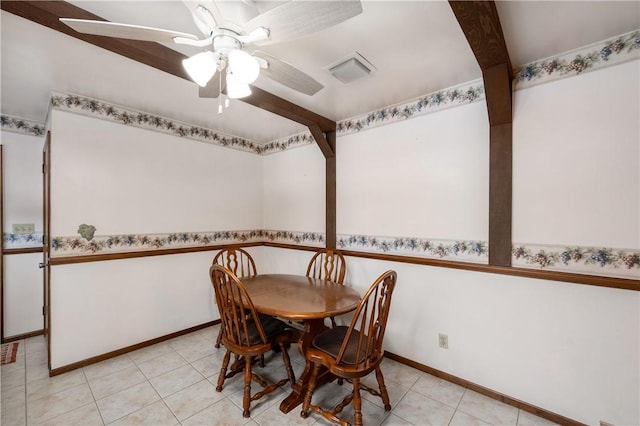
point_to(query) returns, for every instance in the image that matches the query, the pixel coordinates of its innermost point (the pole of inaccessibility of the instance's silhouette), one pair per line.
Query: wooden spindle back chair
(239, 262)
(246, 334)
(353, 352)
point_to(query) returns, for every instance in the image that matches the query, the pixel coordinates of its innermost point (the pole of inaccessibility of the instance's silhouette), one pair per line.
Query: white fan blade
(297, 18)
(205, 15)
(132, 32)
(237, 12)
(212, 89)
(288, 75)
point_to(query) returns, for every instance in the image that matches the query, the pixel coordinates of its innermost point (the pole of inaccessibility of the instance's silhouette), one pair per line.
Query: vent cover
(351, 68)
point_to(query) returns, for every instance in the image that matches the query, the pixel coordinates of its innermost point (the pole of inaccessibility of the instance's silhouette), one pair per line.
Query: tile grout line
(95, 401)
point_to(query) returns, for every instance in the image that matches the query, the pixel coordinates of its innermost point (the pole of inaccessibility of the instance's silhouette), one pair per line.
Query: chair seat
(271, 326)
(331, 340)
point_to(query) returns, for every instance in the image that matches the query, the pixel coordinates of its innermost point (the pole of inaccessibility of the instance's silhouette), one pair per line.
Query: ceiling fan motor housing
(226, 42)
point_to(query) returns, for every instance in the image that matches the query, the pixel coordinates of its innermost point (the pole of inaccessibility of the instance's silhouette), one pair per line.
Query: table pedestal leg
(295, 398)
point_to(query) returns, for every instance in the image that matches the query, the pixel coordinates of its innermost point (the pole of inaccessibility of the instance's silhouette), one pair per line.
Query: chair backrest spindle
(237, 260)
(327, 264)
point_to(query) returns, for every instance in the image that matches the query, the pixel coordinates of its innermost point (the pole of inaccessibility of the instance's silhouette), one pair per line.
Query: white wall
(424, 177)
(22, 179)
(294, 178)
(125, 180)
(23, 294)
(100, 307)
(576, 160)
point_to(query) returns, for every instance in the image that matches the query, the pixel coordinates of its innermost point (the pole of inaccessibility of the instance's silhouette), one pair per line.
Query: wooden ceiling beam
(480, 23)
(47, 13)
(328, 150)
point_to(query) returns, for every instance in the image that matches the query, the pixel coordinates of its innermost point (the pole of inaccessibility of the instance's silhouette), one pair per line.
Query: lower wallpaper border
(617, 263)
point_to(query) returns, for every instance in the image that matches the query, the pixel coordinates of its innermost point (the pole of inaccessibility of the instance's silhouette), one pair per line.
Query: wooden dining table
(307, 301)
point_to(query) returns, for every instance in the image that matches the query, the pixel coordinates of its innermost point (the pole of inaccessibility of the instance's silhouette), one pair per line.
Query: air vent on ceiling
(351, 68)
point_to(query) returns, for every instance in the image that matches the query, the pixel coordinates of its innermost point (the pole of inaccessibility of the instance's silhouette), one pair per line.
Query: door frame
(46, 243)
(1, 245)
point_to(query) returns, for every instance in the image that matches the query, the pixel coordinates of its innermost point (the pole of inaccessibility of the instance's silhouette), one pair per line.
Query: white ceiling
(417, 47)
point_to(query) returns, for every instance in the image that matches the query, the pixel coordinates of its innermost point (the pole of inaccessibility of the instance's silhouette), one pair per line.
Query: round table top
(298, 297)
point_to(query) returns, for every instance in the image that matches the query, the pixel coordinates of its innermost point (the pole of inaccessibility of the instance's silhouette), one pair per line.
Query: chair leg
(219, 338)
(287, 364)
(306, 403)
(246, 397)
(383, 389)
(223, 370)
(357, 403)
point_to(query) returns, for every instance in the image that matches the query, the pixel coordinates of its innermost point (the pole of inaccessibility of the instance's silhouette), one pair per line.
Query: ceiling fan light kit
(243, 66)
(236, 89)
(229, 35)
(201, 67)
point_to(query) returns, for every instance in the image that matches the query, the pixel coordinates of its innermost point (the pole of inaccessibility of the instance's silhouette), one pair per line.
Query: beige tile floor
(172, 383)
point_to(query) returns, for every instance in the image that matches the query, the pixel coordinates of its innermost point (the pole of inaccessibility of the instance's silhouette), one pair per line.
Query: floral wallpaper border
(446, 98)
(21, 125)
(100, 244)
(604, 261)
(616, 50)
(469, 251)
(289, 237)
(282, 144)
(12, 241)
(601, 261)
(95, 108)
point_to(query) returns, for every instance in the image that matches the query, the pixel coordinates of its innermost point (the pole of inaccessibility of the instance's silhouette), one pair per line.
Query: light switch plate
(23, 228)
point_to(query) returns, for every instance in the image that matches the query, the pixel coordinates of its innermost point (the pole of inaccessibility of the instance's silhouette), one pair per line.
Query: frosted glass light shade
(244, 67)
(201, 67)
(235, 88)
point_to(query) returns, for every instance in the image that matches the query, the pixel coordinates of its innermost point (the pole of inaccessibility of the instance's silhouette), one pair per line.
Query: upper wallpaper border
(616, 50)
(619, 49)
(21, 125)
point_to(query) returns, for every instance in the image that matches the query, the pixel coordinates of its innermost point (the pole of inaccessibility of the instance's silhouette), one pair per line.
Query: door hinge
(43, 312)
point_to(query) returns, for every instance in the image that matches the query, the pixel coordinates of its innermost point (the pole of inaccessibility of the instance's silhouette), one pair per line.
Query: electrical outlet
(443, 341)
(23, 228)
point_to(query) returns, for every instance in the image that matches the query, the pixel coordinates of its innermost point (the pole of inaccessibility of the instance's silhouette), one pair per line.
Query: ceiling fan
(231, 30)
